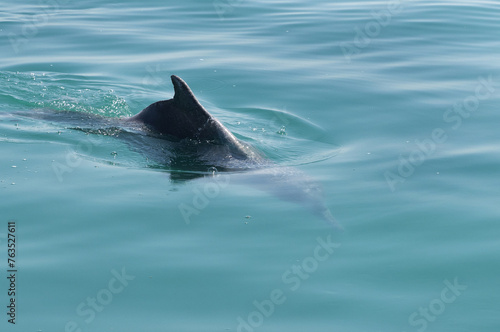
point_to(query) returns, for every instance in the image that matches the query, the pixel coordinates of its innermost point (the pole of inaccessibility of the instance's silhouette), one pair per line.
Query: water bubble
(282, 131)
(212, 170)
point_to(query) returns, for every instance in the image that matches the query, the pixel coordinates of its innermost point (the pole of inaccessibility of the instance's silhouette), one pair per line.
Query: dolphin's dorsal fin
(184, 117)
(184, 97)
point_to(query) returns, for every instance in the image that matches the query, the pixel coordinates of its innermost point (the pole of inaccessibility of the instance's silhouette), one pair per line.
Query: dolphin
(183, 118)
(183, 134)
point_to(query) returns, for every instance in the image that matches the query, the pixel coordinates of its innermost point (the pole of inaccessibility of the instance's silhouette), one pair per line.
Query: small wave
(284, 137)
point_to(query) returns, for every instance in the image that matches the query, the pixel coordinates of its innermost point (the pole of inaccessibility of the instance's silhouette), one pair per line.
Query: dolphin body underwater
(191, 138)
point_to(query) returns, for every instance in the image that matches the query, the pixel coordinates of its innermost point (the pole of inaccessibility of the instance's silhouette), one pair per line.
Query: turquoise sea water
(391, 106)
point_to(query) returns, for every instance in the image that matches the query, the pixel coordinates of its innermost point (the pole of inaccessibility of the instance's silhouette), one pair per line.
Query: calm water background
(392, 107)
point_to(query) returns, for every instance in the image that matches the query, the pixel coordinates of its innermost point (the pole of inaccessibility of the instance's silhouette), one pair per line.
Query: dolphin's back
(165, 118)
(183, 117)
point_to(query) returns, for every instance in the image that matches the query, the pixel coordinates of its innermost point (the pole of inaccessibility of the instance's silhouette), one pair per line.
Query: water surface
(391, 107)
